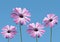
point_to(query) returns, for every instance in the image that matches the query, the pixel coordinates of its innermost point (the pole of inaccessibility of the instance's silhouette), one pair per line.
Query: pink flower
(20, 15)
(50, 20)
(35, 30)
(9, 31)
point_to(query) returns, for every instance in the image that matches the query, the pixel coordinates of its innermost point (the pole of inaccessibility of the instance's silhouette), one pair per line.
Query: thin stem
(50, 34)
(36, 38)
(20, 34)
(8, 40)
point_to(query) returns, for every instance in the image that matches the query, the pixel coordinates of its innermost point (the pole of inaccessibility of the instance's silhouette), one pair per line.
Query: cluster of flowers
(21, 16)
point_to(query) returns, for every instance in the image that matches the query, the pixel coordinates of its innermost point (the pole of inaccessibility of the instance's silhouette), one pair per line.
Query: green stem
(20, 34)
(50, 34)
(36, 38)
(8, 40)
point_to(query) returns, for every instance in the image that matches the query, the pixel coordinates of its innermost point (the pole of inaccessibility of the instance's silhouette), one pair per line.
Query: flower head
(9, 31)
(20, 15)
(50, 20)
(35, 30)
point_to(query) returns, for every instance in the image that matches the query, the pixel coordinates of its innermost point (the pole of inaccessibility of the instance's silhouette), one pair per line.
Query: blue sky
(38, 9)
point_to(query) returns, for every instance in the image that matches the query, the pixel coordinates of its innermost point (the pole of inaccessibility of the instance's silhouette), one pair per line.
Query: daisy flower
(20, 15)
(35, 29)
(9, 31)
(50, 20)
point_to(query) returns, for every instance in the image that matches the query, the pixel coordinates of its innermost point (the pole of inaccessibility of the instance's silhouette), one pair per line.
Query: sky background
(38, 9)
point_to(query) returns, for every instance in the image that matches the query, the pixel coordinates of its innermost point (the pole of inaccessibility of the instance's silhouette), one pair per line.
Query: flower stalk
(50, 34)
(20, 33)
(8, 39)
(36, 38)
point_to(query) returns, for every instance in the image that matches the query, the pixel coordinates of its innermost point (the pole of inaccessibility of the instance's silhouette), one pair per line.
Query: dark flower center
(50, 20)
(35, 29)
(21, 16)
(8, 31)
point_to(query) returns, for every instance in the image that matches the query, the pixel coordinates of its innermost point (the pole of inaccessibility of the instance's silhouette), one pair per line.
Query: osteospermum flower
(9, 31)
(50, 20)
(35, 30)
(20, 15)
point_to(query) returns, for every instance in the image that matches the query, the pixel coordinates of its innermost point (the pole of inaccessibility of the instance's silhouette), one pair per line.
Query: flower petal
(17, 10)
(27, 19)
(26, 13)
(50, 15)
(31, 25)
(14, 15)
(17, 20)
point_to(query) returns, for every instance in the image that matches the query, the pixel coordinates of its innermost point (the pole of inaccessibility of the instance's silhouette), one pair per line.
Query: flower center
(35, 29)
(50, 20)
(21, 16)
(8, 31)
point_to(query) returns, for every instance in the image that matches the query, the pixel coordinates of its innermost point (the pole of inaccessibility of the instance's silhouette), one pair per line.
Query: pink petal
(42, 31)
(11, 36)
(17, 10)
(14, 32)
(51, 25)
(3, 33)
(55, 18)
(23, 22)
(30, 30)
(33, 34)
(45, 19)
(6, 28)
(37, 24)
(17, 20)
(12, 28)
(31, 25)
(27, 19)
(6, 35)
(14, 15)
(26, 13)
(25, 10)
(50, 15)
(38, 35)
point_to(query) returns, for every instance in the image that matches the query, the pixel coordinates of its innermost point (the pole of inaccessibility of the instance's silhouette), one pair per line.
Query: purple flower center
(50, 20)
(35, 29)
(21, 16)
(9, 31)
